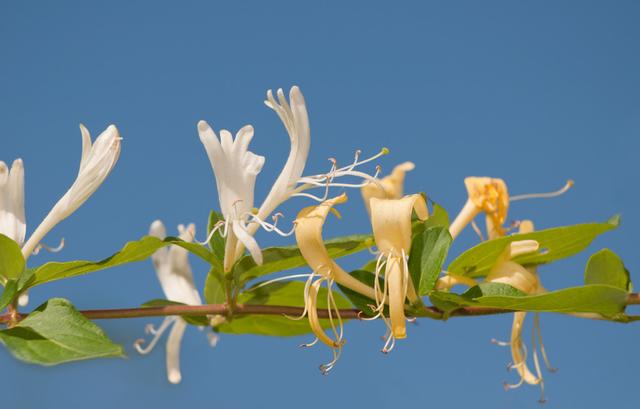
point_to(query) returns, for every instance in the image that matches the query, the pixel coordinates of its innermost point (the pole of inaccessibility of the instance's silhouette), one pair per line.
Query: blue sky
(534, 92)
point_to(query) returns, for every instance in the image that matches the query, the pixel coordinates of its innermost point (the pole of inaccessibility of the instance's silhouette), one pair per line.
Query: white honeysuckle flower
(235, 169)
(12, 217)
(98, 159)
(95, 164)
(176, 279)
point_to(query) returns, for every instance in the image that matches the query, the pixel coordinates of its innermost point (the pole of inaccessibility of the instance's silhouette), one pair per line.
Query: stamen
(500, 343)
(56, 249)
(309, 345)
(275, 280)
(149, 329)
(545, 358)
(268, 226)
(389, 344)
(476, 229)
(216, 227)
(548, 195)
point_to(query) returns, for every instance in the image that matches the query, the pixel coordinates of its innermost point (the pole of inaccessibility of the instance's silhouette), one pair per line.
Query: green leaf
(193, 320)
(595, 298)
(438, 217)
(606, 267)
(280, 293)
(9, 293)
(12, 263)
(55, 333)
(278, 259)
(555, 243)
(428, 252)
(131, 252)
(214, 287)
(216, 242)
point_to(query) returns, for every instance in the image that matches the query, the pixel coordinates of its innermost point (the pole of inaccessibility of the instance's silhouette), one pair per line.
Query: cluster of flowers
(236, 169)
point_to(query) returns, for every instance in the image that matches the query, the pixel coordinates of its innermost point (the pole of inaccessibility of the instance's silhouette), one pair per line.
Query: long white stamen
(309, 344)
(477, 230)
(156, 336)
(545, 358)
(216, 227)
(548, 195)
(275, 280)
(56, 249)
(269, 226)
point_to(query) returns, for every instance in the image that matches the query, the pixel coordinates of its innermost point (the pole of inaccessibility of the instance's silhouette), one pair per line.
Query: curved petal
(248, 241)
(12, 217)
(391, 222)
(308, 231)
(296, 121)
(314, 321)
(389, 187)
(173, 351)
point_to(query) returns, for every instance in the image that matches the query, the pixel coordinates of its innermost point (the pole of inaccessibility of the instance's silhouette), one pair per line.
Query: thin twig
(245, 309)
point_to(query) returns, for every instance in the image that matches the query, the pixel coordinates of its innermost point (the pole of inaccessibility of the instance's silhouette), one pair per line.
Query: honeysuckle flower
(176, 279)
(308, 231)
(487, 195)
(391, 223)
(12, 217)
(507, 271)
(235, 169)
(97, 161)
(490, 195)
(389, 187)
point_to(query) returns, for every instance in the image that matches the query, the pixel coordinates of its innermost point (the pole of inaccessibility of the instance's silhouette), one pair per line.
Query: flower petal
(308, 231)
(248, 241)
(389, 187)
(173, 351)
(391, 222)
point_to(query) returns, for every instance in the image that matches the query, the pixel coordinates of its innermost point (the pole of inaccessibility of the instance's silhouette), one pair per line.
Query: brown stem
(13, 316)
(240, 309)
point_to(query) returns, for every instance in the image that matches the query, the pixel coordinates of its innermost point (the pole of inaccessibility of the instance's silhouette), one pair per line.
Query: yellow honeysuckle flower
(488, 195)
(491, 196)
(391, 223)
(389, 187)
(308, 232)
(526, 280)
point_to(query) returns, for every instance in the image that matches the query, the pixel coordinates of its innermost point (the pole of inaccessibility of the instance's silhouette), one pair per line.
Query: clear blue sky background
(534, 92)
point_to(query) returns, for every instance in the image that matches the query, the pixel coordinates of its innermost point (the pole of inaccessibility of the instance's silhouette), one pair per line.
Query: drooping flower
(235, 169)
(176, 279)
(12, 217)
(389, 187)
(391, 223)
(97, 161)
(525, 279)
(308, 231)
